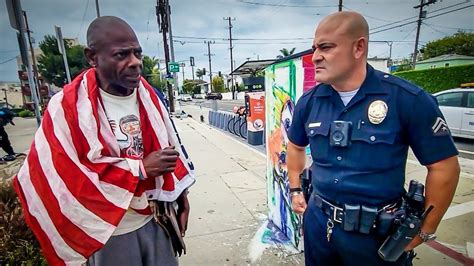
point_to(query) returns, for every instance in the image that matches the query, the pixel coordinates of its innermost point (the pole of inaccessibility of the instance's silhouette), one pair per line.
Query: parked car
(199, 96)
(185, 97)
(457, 106)
(213, 96)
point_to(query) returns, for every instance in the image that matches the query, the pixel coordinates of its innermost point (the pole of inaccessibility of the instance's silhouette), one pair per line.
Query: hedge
(439, 79)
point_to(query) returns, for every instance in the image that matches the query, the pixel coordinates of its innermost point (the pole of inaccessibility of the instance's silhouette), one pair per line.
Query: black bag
(165, 216)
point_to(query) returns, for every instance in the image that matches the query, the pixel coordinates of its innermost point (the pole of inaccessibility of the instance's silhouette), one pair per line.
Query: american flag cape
(75, 188)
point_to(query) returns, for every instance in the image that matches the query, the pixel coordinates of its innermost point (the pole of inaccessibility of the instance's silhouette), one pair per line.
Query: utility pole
(97, 8)
(18, 23)
(340, 6)
(191, 62)
(182, 68)
(161, 16)
(33, 58)
(231, 58)
(62, 50)
(421, 16)
(210, 64)
(170, 34)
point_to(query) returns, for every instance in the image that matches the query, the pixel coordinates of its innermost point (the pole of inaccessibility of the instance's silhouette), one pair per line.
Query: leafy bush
(439, 79)
(18, 245)
(26, 113)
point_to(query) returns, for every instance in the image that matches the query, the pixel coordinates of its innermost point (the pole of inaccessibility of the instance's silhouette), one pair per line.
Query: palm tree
(285, 52)
(200, 73)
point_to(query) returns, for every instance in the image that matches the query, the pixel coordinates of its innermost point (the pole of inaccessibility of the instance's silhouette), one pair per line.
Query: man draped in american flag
(106, 161)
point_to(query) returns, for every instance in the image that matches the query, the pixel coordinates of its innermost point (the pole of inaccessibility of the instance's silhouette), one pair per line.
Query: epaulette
(404, 84)
(311, 91)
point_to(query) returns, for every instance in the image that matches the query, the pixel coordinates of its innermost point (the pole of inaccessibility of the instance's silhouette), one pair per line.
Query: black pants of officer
(5, 142)
(344, 248)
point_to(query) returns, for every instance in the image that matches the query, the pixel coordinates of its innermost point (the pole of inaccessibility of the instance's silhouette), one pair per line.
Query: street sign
(182, 65)
(12, 9)
(173, 67)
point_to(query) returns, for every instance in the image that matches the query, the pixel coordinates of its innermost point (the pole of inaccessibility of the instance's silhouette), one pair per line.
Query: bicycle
(240, 122)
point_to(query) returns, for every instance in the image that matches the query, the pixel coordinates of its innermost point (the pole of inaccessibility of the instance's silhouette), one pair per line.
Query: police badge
(377, 112)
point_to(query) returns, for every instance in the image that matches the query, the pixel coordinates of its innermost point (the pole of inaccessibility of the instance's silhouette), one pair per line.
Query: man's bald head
(104, 29)
(351, 24)
(340, 50)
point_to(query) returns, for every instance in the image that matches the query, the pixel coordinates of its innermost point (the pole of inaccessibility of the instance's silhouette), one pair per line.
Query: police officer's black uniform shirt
(372, 169)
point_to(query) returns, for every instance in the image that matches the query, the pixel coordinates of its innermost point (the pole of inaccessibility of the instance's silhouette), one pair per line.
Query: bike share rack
(227, 121)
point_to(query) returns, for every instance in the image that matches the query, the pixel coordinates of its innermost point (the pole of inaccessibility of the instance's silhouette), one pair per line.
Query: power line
(405, 19)
(450, 11)
(450, 28)
(283, 5)
(429, 26)
(83, 18)
(394, 27)
(9, 60)
(365, 15)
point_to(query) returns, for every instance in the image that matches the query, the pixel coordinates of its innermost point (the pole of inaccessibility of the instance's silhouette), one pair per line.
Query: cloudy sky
(261, 27)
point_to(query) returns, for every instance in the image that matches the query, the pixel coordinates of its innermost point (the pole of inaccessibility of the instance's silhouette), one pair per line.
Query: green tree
(218, 84)
(152, 74)
(285, 52)
(200, 73)
(461, 43)
(51, 65)
(192, 86)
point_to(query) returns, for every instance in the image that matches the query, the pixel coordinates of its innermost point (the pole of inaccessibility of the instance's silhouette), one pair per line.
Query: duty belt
(337, 213)
(334, 212)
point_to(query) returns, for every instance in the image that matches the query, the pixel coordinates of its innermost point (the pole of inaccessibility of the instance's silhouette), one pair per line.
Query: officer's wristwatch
(426, 237)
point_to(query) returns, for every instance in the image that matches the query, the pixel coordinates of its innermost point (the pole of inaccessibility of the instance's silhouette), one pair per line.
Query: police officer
(359, 161)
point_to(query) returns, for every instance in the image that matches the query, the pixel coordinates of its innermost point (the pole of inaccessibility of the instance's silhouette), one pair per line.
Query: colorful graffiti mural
(285, 82)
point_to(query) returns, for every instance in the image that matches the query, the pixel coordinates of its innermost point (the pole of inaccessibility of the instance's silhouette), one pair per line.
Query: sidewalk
(229, 202)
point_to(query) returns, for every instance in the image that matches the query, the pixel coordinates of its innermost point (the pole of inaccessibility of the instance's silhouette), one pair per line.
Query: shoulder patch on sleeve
(440, 127)
(402, 83)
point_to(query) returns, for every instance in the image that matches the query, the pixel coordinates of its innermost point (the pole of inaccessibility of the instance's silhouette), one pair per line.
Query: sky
(260, 27)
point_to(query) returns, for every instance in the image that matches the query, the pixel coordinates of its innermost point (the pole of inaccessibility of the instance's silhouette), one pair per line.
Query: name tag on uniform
(316, 124)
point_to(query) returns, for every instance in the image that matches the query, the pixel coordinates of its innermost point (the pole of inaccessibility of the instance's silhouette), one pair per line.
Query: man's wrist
(141, 171)
(296, 189)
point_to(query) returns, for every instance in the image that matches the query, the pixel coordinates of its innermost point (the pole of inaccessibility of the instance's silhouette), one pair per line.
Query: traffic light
(220, 74)
(204, 71)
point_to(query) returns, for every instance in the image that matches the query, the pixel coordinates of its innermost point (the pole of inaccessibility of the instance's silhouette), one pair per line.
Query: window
(451, 99)
(470, 100)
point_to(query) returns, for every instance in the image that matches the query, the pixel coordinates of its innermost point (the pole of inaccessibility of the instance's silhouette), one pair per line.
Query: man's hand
(159, 162)
(298, 203)
(183, 212)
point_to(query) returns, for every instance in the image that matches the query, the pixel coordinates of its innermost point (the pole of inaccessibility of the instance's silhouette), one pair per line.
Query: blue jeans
(344, 248)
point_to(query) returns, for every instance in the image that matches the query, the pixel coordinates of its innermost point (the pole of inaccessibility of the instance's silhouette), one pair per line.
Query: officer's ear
(361, 47)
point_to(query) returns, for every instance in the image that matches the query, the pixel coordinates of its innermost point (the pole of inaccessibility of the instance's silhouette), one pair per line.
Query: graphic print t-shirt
(124, 119)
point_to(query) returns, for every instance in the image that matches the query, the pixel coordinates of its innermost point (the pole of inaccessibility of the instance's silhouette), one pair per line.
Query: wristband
(295, 193)
(142, 173)
(296, 189)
